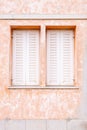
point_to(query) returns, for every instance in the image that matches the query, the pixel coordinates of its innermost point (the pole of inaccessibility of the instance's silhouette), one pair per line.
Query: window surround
(43, 31)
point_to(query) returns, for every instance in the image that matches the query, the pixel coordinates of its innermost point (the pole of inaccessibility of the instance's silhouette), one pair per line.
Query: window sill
(43, 87)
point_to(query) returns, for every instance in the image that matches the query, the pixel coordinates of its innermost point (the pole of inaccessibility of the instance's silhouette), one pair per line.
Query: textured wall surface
(43, 6)
(40, 103)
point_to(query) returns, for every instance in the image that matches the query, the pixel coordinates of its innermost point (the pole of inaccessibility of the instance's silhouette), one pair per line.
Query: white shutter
(68, 57)
(60, 57)
(52, 66)
(18, 73)
(32, 69)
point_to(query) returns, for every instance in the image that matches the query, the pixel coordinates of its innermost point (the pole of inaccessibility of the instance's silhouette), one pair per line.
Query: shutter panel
(52, 64)
(19, 39)
(68, 57)
(60, 57)
(32, 72)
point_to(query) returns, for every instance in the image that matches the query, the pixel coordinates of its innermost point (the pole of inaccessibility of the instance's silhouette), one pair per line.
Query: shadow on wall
(84, 126)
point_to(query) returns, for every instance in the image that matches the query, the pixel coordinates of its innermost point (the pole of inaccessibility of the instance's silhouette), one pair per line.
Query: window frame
(46, 27)
(73, 51)
(12, 28)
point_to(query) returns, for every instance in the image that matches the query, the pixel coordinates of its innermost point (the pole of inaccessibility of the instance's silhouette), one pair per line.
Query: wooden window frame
(75, 84)
(43, 30)
(12, 28)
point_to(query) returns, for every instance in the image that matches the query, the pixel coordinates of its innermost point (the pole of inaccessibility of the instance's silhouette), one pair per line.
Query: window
(27, 65)
(60, 57)
(25, 57)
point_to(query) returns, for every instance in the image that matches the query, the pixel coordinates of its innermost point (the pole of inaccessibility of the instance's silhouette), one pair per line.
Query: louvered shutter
(68, 57)
(52, 64)
(32, 72)
(18, 73)
(60, 57)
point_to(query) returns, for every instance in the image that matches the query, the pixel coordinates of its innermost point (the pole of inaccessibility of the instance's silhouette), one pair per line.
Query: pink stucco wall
(40, 103)
(43, 6)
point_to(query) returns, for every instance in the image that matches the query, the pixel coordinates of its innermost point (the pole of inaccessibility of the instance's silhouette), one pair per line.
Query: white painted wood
(32, 58)
(43, 16)
(56, 125)
(25, 57)
(36, 125)
(19, 55)
(67, 57)
(52, 75)
(60, 57)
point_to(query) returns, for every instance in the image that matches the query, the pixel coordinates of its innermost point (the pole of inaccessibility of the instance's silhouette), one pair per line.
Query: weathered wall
(83, 102)
(40, 103)
(43, 6)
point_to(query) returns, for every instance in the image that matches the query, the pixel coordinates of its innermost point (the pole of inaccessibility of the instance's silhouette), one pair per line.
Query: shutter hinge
(11, 80)
(11, 36)
(73, 36)
(74, 80)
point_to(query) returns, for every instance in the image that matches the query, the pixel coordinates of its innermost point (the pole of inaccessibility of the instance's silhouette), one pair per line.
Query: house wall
(59, 103)
(38, 103)
(43, 7)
